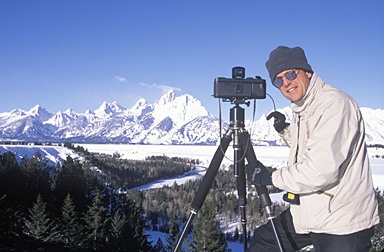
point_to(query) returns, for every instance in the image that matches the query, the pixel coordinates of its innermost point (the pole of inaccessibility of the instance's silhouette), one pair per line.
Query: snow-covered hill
(170, 120)
(52, 154)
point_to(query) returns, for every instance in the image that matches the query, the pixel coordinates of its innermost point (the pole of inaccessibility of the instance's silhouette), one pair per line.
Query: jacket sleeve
(328, 151)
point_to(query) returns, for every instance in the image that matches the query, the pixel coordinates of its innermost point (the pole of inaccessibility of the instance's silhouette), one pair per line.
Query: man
(328, 168)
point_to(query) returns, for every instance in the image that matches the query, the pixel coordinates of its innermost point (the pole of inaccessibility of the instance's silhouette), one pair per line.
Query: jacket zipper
(296, 197)
(298, 139)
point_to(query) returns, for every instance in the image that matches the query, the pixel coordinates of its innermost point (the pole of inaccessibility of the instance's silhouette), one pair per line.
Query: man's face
(294, 90)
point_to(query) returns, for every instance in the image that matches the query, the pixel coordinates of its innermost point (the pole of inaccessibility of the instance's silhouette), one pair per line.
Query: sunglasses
(291, 75)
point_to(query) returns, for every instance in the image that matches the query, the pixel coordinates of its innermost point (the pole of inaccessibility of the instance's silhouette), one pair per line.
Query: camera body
(239, 89)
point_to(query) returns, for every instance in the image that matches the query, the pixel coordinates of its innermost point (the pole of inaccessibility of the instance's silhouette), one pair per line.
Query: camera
(238, 88)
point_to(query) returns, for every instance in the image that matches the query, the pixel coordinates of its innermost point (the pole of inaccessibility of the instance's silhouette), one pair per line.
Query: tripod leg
(265, 200)
(239, 173)
(211, 173)
(205, 186)
(242, 200)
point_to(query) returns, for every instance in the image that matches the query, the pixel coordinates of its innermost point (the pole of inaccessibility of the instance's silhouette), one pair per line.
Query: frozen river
(275, 156)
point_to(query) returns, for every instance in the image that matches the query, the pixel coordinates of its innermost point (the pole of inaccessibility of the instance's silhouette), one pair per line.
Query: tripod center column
(236, 117)
(237, 123)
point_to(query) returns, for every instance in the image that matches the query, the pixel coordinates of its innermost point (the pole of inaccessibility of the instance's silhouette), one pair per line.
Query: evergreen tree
(206, 235)
(12, 182)
(39, 226)
(134, 229)
(36, 176)
(7, 161)
(118, 224)
(159, 247)
(96, 222)
(71, 228)
(70, 179)
(5, 220)
(173, 234)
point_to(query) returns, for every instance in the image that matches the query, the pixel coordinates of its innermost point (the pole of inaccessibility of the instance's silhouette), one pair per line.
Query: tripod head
(236, 117)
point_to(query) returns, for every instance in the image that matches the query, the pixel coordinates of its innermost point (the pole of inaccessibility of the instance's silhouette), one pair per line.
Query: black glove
(258, 175)
(279, 122)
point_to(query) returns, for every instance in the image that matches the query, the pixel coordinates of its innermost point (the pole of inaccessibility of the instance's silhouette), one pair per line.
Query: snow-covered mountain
(170, 120)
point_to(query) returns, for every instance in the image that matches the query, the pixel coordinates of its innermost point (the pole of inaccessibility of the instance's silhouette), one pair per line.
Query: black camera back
(239, 89)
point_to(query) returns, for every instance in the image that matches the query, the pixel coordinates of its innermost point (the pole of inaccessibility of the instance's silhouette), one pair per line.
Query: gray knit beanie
(284, 58)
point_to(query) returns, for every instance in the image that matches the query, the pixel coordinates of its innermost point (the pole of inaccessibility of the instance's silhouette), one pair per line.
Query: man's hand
(279, 122)
(258, 175)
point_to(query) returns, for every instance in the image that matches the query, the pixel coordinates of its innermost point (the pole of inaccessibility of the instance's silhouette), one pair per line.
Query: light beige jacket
(328, 164)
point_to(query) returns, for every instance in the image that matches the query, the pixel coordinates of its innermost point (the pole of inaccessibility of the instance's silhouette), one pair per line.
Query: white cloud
(163, 88)
(119, 78)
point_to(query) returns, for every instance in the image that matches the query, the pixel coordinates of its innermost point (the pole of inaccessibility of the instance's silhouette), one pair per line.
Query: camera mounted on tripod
(237, 89)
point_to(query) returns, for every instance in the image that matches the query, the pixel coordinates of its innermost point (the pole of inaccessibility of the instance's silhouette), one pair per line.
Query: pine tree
(118, 225)
(96, 221)
(5, 220)
(36, 176)
(173, 234)
(206, 235)
(39, 226)
(134, 234)
(71, 180)
(71, 229)
(12, 181)
(159, 247)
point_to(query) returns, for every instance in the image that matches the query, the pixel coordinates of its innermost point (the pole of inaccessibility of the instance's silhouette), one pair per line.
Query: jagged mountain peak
(17, 112)
(139, 104)
(167, 97)
(109, 109)
(40, 113)
(61, 119)
(36, 109)
(184, 108)
(141, 108)
(70, 112)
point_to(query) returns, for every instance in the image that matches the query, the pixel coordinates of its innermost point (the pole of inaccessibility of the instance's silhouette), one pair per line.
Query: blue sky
(77, 54)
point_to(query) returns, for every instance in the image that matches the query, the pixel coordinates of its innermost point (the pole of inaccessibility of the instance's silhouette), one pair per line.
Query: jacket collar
(315, 85)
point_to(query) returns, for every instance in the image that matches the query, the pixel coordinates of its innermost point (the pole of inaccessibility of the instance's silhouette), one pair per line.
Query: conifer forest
(88, 205)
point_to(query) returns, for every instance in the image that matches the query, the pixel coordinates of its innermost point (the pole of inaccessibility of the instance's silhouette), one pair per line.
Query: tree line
(127, 174)
(67, 207)
(74, 207)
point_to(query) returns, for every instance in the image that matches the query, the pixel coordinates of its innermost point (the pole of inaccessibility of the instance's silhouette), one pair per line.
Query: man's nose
(286, 81)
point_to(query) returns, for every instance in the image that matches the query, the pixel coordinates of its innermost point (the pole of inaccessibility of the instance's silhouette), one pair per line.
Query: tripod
(242, 147)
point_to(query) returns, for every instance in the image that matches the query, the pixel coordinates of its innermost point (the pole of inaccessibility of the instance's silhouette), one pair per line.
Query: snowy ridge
(52, 154)
(170, 120)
